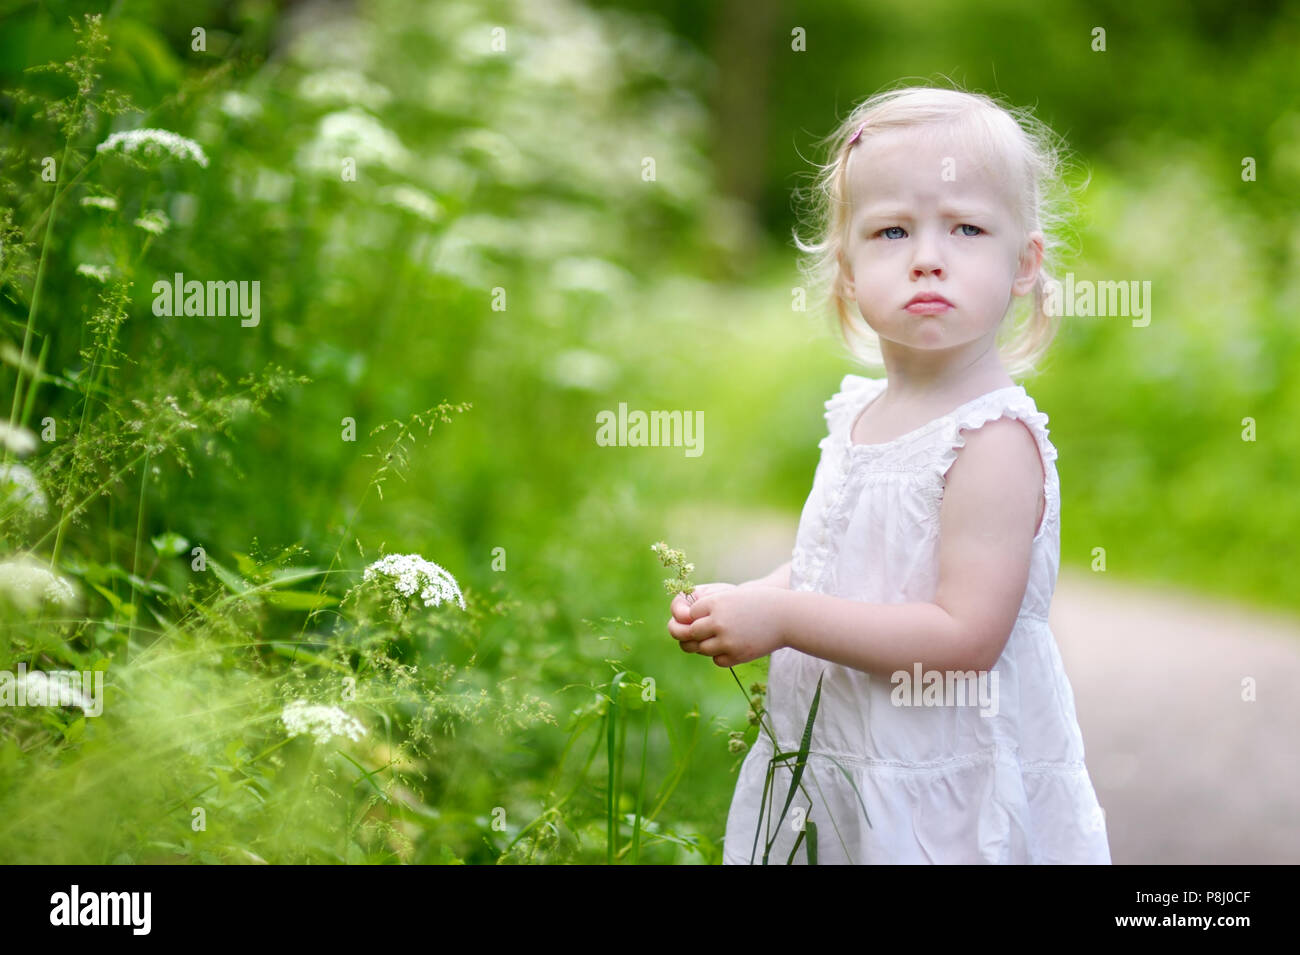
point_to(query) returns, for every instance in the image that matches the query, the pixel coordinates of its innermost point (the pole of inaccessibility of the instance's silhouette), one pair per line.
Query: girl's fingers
(681, 632)
(698, 630)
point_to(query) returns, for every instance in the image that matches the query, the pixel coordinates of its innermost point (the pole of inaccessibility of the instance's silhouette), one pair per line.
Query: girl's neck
(948, 383)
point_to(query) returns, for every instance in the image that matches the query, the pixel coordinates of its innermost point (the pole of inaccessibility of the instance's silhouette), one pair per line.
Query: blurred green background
(501, 246)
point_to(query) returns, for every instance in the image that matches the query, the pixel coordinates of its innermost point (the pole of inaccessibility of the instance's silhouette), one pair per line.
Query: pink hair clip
(858, 134)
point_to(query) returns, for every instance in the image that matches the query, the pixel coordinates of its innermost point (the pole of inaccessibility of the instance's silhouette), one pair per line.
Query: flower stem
(36, 300)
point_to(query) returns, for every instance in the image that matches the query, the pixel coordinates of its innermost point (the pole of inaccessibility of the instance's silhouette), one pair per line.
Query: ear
(846, 276)
(1031, 260)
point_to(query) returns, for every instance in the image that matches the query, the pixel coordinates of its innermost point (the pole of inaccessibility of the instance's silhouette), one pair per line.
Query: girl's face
(924, 219)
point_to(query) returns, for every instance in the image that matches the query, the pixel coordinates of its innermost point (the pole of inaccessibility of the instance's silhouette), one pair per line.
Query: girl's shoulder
(1011, 402)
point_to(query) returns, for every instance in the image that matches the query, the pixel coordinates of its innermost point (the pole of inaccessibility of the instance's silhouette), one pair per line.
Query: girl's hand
(679, 622)
(734, 625)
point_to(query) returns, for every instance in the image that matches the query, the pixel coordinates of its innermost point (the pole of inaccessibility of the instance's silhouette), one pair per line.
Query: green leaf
(125, 609)
(170, 544)
(232, 751)
(292, 575)
(448, 857)
(236, 584)
(795, 847)
(295, 652)
(299, 600)
(812, 842)
(611, 727)
(150, 58)
(247, 566)
(762, 804)
(113, 599)
(802, 761)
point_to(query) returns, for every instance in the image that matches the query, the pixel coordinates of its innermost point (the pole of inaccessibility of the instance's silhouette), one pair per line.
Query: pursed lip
(928, 297)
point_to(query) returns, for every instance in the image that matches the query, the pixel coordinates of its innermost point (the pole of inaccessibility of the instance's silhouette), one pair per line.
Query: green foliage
(262, 703)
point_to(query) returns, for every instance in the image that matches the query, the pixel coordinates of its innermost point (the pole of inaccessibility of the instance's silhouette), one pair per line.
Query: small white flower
(239, 105)
(352, 134)
(579, 368)
(17, 439)
(411, 573)
(26, 583)
(17, 483)
(100, 202)
(100, 273)
(590, 274)
(322, 722)
(154, 221)
(412, 200)
(346, 86)
(154, 143)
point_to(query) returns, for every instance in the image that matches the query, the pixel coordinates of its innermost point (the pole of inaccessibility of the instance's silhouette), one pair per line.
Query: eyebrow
(951, 212)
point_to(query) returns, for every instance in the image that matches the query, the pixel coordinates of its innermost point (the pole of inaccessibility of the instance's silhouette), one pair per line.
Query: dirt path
(1185, 769)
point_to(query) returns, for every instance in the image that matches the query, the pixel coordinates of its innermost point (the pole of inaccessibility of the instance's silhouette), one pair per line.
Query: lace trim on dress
(1021, 407)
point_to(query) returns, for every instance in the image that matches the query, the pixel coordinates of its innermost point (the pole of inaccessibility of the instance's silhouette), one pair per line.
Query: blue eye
(899, 228)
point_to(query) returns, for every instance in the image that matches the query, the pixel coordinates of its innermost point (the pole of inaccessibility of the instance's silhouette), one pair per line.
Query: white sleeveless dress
(939, 784)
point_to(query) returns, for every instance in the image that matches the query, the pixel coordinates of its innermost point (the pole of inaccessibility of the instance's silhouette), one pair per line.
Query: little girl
(927, 552)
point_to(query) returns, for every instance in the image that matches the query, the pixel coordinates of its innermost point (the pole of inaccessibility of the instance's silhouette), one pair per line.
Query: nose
(926, 260)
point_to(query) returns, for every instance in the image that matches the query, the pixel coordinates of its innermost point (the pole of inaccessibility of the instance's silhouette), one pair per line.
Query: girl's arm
(777, 578)
(988, 520)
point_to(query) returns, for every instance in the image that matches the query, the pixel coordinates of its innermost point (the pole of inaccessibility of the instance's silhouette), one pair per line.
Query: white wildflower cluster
(579, 368)
(154, 221)
(185, 425)
(153, 144)
(26, 583)
(411, 572)
(100, 202)
(239, 105)
(412, 200)
(17, 439)
(345, 86)
(322, 722)
(100, 273)
(352, 134)
(19, 485)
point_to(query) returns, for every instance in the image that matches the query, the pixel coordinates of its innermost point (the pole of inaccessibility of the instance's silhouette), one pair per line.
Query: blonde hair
(1033, 158)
